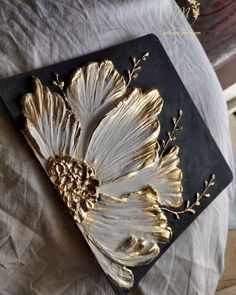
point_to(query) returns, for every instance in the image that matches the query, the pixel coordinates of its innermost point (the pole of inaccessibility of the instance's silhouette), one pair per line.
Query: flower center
(76, 184)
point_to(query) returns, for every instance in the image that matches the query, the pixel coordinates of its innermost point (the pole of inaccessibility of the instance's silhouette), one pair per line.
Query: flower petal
(117, 272)
(126, 139)
(50, 128)
(127, 230)
(163, 175)
(92, 92)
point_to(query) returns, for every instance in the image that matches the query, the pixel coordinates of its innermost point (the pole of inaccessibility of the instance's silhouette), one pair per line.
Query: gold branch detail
(60, 84)
(171, 134)
(133, 74)
(195, 6)
(199, 196)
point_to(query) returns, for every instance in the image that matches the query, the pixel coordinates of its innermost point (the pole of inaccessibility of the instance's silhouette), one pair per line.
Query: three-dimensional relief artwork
(98, 142)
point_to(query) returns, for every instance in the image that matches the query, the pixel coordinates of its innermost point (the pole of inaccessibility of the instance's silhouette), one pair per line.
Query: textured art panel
(116, 135)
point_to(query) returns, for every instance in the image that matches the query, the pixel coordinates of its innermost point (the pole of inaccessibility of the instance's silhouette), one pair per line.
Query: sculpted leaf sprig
(199, 196)
(133, 74)
(195, 6)
(60, 84)
(171, 134)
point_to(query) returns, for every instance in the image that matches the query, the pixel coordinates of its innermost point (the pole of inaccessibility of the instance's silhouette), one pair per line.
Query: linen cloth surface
(41, 250)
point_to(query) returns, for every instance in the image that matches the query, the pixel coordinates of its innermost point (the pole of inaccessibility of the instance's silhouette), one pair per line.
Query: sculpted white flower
(102, 156)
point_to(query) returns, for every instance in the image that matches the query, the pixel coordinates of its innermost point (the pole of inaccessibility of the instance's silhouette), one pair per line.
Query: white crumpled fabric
(41, 250)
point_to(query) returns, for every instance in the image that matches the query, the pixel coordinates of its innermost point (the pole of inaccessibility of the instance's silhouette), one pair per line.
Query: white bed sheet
(41, 250)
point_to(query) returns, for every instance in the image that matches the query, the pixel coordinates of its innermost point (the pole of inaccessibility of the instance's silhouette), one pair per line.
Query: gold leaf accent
(119, 273)
(92, 92)
(169, 183)
(163, 175)
(125, 140)
(50, 128)
(76, 184)
(134, 224)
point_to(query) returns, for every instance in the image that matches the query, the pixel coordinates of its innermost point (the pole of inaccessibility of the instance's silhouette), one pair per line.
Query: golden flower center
(76, 184)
